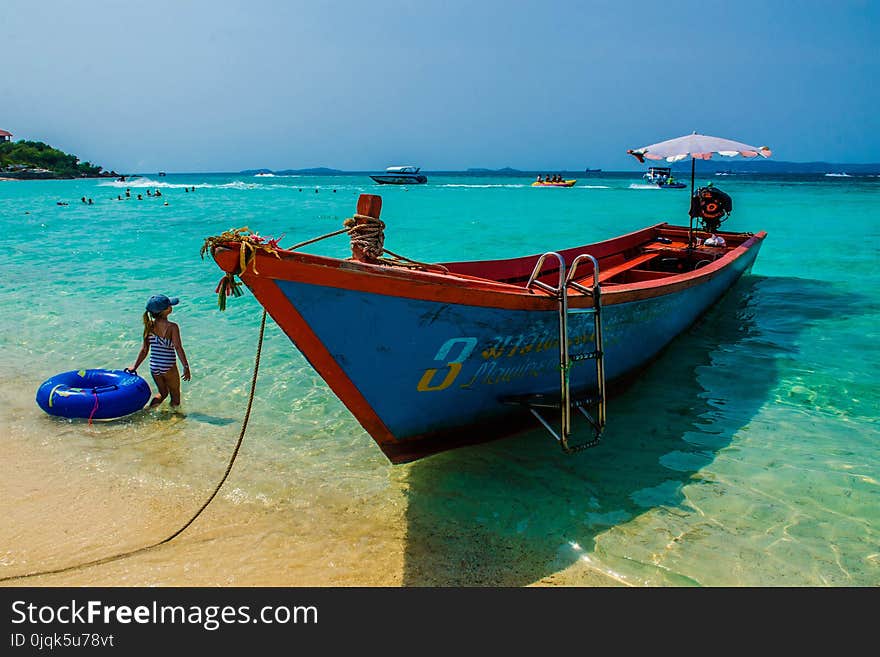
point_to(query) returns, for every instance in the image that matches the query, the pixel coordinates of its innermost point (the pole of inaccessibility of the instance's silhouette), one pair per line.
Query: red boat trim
(517, 270)
(627, 292)
(349, 275)
(456, 288)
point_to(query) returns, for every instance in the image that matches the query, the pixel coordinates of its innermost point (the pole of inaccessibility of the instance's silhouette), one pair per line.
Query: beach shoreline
(66, 506)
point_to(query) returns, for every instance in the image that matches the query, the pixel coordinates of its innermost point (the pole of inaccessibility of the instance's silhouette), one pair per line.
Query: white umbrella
(696, 147)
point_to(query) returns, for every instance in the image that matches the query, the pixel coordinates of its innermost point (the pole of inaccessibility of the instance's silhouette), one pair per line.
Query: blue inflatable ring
(93, 394)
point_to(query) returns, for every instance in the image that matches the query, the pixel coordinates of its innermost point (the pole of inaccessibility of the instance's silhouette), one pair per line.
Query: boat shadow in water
(210, 419)
(516, 511)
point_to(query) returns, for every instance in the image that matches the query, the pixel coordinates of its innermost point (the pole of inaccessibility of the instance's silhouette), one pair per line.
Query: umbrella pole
(691, 224)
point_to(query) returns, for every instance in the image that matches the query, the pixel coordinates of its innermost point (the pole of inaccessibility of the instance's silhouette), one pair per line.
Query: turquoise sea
(747, 455)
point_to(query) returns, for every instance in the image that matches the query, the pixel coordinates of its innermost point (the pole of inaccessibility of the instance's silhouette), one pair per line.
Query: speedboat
(662, 177)
(403, 175)
(658, 175)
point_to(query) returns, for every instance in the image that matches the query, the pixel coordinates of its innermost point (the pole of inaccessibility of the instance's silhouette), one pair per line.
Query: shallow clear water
(746, 455)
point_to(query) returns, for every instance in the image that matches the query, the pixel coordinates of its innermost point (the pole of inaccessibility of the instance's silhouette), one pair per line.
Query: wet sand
(63, 503)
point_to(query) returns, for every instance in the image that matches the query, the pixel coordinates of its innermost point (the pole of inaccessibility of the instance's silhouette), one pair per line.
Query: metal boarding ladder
(565, 402)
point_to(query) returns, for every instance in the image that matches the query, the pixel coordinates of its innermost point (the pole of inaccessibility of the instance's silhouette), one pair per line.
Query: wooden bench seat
(610, 272)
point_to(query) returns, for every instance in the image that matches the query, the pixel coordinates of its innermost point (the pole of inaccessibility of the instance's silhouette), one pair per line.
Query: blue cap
(159, 302)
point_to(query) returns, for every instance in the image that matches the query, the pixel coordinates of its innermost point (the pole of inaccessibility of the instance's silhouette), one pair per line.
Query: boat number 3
(452, 367)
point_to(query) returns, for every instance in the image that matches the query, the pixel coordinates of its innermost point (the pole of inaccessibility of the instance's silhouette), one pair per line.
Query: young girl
(162, 343)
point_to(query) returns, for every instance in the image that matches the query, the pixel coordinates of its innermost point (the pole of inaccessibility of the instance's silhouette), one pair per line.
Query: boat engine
(710, 206)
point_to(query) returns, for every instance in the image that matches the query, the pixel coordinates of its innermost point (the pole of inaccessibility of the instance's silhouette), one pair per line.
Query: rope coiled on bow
(367, 237)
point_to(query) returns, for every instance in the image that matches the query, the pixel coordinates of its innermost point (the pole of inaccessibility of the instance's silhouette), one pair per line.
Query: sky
(184, 86)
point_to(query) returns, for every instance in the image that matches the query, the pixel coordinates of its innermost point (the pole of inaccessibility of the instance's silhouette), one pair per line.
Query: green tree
(41, 155)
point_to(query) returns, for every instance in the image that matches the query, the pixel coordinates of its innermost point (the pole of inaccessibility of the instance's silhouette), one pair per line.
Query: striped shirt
(162, 354)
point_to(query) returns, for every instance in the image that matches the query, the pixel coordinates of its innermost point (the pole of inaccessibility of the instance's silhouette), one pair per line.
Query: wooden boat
(438, 356)
(561, 183)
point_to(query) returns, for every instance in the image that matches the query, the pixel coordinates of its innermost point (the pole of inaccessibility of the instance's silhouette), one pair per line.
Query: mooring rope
(123, 555)
(368, 236)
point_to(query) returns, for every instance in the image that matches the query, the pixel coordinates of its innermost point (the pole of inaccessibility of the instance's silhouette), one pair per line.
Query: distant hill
(505, 170)
(323, 171)
(760, 165)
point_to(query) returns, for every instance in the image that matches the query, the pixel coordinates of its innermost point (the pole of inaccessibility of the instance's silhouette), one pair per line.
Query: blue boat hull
(427, 367)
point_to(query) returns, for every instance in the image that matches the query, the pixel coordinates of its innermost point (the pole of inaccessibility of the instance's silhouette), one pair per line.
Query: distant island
(703, 167)
(506, 171)
(320, 171)
(34, 160)
(760, 165)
